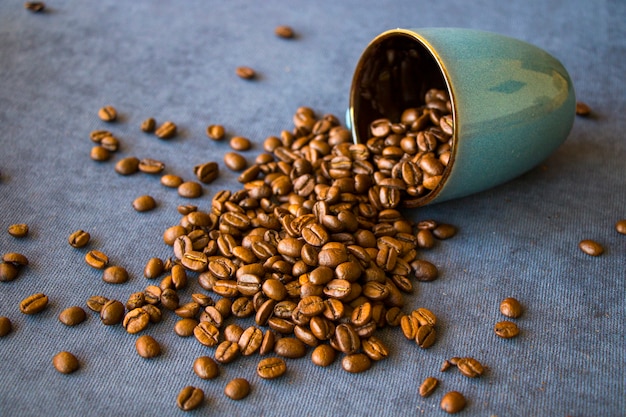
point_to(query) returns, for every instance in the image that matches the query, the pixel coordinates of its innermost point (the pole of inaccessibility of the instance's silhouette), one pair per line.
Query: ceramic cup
(512, 103)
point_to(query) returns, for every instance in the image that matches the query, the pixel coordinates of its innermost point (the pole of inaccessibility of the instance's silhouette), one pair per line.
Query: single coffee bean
(190, 189)
(151, 166)
(323, 355)
(510, 307)
(15, 258)
(110, 143)
(250, 340)
(283, 31)
(144, 203)
(424, 316)
(65, 362)
(79, 239)
(470, 367)
(166, 130)
(114, 274)
(185, 327)
(444, 231)
(205, 367)
(100, 153)
(374, 348)
(18, 230)
(127, 166)
(424, 270)
(235, 161)
(171, 181)
(107, 114)
(135, 300)
(425, 336)
(136, 320)
(356, 363)
(8, 272)
(271, 368)
(506, 329)
(96, 136)
(290, 347)
(169, 298)
(5, 326)
(153, 312)
(190, 398)
(226, 352)
(112, 312)
(148, 125)
(35, 6)
(147, 347)
(409, 326)
(96, 302)
(591, 247)
(154, 268)
(72, 316)
(237, 389)
(207, 172)
(240, 143)
(206, 333)
(96, 259)
(620, 226)
(428, 386)
(245, 72)
(453, 402)
(347, 339)
(215, 132)
(582, 109)
(34, 304)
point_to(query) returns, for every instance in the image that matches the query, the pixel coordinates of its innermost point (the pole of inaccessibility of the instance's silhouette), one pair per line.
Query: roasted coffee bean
(151, 166)
(65, 362)
(96, 302)
(283, 31)
(8, 272)
(194, 261)
(226, 352)
(374, 348)
(110, 143)
(144, 203)
(510, 307)
(424, 270)
(107, 114)
(271, 368)
(582, 109)
(424, 317)
(409, 326)
(235, 161)
(206, 333)
(233, 332)
(224, 306)
(215, 132)
(136, 320)
(190, 398)
(240, 143)
(112, 312)
(347, 339)
(444, 231)
(393, 316)
(127, 166)
(148, 125)
(207, 172)
(166, 131)
(453, 402)
(323, 355)
(506, 329)
(591, 247)
(100, 153)
(425, 336)
(250, 340)
(205, 367)
(445, 365)
(267, 345)
(169, 298)
(242, 307)
(5, 326)
(425, 239)
(245, 72)
(428, 386)
(290, 347)
(620, 226)
(15, 258)
(114, 274)
(356, 363)
(171, 181)
(35, 6)
(96, 136)
(154, 268)
(190, 189)
(470, 367)
(153, 312)
(34, 304)
(185, 327)
(237, 389)
(18, 230)
(96, 259)
(72, 316)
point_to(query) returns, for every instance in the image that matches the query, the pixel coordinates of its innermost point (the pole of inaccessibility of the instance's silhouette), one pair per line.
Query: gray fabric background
(175, 60)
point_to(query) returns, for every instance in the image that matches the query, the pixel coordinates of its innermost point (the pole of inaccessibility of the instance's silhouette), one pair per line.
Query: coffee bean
(424, 270)
(323, 355)
(290, 347)
(428, 386)
(245, 72)
(8, 272)
(34, 304)
(35, 6)
(235, 161)
(206, 368)
(107, 114)
(510, 307)
(166, 131)
(154, 268)
(215, 132)
(190, 398)
(347, 339)
(96, 302)
(470, 367)
(190, 189)
(237, 389)
(206, 333)
(110, 143)
(185, 327)
(15, 258)
(591, 247)
(356, 363)
(96, 259)
(153, 312)
(374, 348)
(100, 154)
(171, 180)
(506, 329)
(144, 203)
(445, 366)
(151, 166)
(453, 402)
(620, 226)
(65, 362)
(72, 316)
(127, 166)
(271, 368)
(136, 320)
(250, 340)
(425, 336)
(207, 172)
(112, 312)
(226, 352)
(582, 109)
(148, 125)
(5, 326)
(114, 274)
(147, 347)
(283, 31)
(240, 143)
(444, 231)
(424, 317)
(18, 230)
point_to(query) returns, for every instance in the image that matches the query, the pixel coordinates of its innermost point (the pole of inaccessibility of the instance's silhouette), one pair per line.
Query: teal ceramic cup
(512, 103)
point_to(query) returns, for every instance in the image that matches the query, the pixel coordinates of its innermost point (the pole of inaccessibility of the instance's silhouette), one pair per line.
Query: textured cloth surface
(175, 61)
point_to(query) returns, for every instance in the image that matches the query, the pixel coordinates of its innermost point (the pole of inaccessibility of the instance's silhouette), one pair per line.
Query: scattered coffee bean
(15, 258)
(147, 347)
(8, 272)
(18, 230)
(425, 336)
(205, 367)
(235, 161)
(470, 367)
(65, 362)
(190, 398)
(144, 203)
(148, 125)
(620, 226)
(79, 239)
(591, 247)
(582, 109)
(271, 368)
(151, 166)
(72, 316)
(215, 132)
(112, 312)
(35, 6)
(100, 154)
(428, 386)
(107, 114)
(510, 307)
(283, 31)
(207, 172)
(356, 363)
(171, 180)
(96, 302)
(190, 189)
(506, 329)
(237, 389)
(166, 131)
(246, 73)
(115, 275)
(127, 166)
(154, 268)
(96, 259)
(5, 326)
(226, 352)
(136, 320)
(110, 143)
(290, 347)
(34, 304)
(323, 355)
(453, 402)
(239, 143)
